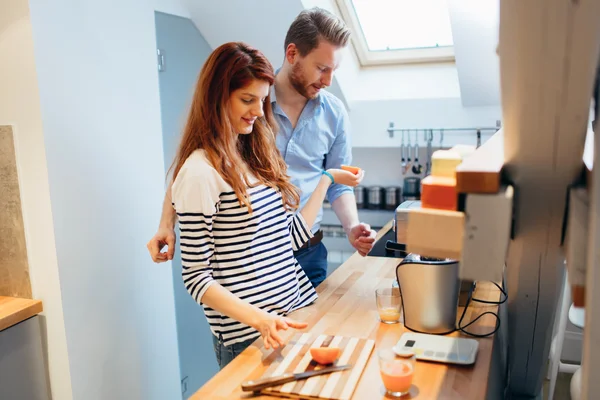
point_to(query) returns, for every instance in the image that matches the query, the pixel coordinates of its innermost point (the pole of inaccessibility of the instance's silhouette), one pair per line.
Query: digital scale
(443, 349)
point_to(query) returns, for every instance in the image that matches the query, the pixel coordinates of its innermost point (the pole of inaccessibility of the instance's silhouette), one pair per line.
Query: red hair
(232, 66)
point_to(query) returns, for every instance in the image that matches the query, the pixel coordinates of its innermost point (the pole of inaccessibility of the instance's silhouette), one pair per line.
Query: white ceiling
(474, 78)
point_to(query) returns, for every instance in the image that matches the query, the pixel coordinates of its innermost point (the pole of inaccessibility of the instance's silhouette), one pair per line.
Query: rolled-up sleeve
(340, 154)
(195, 200)
(300, 232)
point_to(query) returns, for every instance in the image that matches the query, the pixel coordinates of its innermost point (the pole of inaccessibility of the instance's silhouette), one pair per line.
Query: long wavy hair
(230, 67)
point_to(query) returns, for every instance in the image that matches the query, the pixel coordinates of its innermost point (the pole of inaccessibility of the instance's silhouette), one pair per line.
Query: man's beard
(298, 83)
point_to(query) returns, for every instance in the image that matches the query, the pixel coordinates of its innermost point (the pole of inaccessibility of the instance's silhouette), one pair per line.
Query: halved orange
(325, 355)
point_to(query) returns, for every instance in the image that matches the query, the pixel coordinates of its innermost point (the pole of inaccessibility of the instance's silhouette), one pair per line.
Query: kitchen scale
(443, 349)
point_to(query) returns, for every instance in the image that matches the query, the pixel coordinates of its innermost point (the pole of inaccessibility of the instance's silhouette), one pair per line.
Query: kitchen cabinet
(22, 362)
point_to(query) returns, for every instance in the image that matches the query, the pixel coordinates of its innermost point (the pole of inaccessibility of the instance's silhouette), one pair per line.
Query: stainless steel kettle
(429, 288)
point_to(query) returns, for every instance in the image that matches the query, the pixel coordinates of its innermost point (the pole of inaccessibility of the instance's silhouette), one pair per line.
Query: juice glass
(389, 304)
(396, 372)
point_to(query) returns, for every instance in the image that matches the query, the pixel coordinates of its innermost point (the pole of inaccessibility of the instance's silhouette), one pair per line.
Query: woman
(234, 202)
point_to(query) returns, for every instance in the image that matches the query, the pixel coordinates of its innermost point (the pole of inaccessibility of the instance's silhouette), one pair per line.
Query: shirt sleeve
(300, 232)
(340, 154)
(195, 199)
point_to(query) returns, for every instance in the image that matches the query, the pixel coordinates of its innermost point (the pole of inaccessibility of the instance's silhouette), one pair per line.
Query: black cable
(469, 299)
(494, 302)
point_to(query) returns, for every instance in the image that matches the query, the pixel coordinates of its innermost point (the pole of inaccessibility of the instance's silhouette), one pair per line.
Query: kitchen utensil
(444, 349)
(417, 168)
(402, 150)
(388, 305)
(375, 197)
(359, 195)
(412, 188)
(396, 372)
(429, 139)
(401, 220)
(392, 197)
(408, 150)
(295, 357)
(429, 288)
(263, 383)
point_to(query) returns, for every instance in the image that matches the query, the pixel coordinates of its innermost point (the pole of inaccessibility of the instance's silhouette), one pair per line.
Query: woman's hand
(269, 326)
(345, 177)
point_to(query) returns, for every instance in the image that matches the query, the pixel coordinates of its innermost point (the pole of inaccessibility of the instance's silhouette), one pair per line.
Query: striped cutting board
(295, 357)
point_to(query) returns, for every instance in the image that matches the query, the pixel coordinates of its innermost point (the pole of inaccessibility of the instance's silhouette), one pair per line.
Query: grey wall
(100, 109)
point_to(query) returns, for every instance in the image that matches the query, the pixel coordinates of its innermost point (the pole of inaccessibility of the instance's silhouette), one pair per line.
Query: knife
(260, 384)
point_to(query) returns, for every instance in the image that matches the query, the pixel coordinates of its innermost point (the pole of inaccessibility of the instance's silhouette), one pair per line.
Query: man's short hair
(315, 24)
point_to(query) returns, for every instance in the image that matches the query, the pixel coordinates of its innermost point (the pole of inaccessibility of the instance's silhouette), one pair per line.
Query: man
(314, 134)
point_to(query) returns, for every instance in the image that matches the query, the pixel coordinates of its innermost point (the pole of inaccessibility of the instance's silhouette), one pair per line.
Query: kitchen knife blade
(260, 384)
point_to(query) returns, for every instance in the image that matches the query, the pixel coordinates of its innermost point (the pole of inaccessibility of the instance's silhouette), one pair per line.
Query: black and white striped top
(251, 255)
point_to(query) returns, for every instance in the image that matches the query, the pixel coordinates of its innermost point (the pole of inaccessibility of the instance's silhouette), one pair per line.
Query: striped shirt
(251, 255)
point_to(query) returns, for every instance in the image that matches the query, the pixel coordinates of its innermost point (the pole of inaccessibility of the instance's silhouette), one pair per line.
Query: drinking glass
(389, 304)
(396, 372)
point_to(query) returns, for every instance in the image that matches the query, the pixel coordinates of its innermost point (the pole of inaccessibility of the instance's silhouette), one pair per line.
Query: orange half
(325, 355)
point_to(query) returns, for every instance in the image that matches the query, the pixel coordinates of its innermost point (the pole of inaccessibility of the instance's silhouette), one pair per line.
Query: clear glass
(396, 372)
(389, 304)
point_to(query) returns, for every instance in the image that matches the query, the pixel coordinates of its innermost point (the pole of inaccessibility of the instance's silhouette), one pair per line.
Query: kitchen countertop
(14, 310)
(346, 306)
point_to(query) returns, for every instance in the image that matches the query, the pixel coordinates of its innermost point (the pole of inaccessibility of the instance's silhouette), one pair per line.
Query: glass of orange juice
(389, 304)
(396, 372)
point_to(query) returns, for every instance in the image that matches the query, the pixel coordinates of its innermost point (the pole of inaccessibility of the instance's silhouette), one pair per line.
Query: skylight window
(399, 31)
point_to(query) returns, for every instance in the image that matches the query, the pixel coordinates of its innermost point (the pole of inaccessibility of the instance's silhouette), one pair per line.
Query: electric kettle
(429, 288)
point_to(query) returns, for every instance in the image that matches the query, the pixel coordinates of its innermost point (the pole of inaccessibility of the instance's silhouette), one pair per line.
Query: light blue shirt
(320, 140)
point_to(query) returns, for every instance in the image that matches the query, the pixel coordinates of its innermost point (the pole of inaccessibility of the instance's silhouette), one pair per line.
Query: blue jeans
(313, 261)
(225, 354)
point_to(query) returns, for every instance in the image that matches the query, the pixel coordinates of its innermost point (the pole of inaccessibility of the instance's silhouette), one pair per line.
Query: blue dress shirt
(320, 140)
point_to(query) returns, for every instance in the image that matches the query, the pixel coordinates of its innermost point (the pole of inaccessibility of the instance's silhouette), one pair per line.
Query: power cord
(469, 299)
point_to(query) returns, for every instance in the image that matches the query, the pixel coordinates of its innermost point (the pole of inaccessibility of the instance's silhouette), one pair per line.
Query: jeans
(313, 261)
(225, 354)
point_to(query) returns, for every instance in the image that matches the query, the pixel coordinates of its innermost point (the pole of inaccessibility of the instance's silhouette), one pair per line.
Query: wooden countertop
(14, 310)
(346, 306)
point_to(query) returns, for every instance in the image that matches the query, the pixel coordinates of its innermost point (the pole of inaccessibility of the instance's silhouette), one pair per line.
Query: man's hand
(164, 236)
(362, 238)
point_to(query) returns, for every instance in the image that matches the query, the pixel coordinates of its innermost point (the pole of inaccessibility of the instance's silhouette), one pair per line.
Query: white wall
(370, 120)
(98, 83)
(412, 81)
(174, 7)
(262, 24)
(475, 32)
(20, 107)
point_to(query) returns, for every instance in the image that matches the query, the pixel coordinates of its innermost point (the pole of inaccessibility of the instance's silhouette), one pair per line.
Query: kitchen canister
(375, 197)
(392, 197)
(359, 195)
